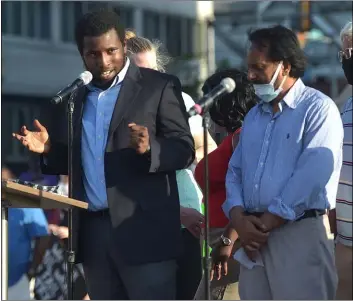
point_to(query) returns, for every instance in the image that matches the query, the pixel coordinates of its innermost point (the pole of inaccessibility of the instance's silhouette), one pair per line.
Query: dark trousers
(189, 267)
(109, 277)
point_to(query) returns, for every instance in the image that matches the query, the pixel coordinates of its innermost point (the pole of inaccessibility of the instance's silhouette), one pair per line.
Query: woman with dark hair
(228, 112)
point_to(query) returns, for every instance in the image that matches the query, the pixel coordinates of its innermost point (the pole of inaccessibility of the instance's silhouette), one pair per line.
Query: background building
(39, 55)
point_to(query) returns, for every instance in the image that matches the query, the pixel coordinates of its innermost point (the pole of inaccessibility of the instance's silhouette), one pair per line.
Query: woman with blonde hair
(147, 54)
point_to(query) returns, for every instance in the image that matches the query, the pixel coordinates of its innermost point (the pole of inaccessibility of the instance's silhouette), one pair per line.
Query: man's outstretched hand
(36, 141)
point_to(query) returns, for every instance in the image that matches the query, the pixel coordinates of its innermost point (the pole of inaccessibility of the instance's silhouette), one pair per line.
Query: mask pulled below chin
(267, 92)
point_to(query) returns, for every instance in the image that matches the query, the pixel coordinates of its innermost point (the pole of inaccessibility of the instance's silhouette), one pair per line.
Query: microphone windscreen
(229, 84)
(86, 77)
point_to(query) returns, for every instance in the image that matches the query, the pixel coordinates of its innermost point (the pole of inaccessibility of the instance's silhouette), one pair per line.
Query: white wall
(193, 9)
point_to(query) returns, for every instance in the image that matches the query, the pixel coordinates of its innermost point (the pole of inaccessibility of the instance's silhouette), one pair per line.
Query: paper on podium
(29, 195)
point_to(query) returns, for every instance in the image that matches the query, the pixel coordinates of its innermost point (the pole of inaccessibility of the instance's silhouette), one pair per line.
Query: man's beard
(104, 85)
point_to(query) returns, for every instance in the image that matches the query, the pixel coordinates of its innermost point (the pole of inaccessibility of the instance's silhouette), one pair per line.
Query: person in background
(228, 112)
(147, 54)
(341, 217)
(6, 173)
(283, 177)
(25, 225)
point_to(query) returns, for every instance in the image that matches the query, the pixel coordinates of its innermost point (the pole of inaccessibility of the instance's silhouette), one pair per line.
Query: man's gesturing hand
(36, 141)
(139, 138)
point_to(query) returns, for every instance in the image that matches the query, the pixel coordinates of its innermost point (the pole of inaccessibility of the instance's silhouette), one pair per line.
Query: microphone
(84, 79)
(226, 86)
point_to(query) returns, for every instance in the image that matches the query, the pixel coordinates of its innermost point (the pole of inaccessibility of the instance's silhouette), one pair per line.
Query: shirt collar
(119, 77)
(292, 98)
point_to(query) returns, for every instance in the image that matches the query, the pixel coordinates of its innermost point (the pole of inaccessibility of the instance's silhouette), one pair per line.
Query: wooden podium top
(21, 196)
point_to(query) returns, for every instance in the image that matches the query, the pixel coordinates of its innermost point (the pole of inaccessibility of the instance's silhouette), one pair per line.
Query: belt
(307, 213)
(312, 213)
(99, 213)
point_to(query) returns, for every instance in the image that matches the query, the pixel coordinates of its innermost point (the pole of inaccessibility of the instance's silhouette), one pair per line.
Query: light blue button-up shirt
(290, 161)
(98, 111)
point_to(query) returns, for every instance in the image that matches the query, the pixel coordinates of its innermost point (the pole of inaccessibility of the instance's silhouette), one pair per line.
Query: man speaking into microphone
(130, 136)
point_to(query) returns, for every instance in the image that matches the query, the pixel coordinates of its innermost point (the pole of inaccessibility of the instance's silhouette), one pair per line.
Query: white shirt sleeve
(195, 122)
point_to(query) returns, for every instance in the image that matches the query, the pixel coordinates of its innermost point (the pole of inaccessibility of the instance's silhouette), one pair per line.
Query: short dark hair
(96, 23)
(229, 111)
(283, 45)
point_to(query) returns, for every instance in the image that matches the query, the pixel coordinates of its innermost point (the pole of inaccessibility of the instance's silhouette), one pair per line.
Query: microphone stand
(70, 252)
(206, 259)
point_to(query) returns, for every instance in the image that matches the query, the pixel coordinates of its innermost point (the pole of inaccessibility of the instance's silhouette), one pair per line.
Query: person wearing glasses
(341, 218)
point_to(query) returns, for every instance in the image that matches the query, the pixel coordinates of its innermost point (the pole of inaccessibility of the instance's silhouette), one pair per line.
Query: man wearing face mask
(341, 217)
(283, 177)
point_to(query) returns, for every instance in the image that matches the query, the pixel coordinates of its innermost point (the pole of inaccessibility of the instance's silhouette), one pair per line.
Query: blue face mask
(267, 92)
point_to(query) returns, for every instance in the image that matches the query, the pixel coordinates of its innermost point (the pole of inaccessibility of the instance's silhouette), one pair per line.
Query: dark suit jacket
(142, 190)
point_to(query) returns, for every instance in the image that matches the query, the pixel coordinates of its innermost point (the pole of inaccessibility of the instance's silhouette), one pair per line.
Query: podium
(14, 195)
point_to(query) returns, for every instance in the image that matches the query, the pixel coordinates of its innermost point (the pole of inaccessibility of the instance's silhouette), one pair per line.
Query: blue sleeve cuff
(277, 207)
(228, 206)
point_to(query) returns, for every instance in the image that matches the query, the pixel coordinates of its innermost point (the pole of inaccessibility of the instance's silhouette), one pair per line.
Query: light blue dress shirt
(97, 114)
(290, 161)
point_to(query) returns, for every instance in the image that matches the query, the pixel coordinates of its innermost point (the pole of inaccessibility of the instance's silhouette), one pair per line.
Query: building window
(26, 19)
(31, 11)
(72, 11)
(189, 37)
(174, 38)
(14, 115)
(45, 17)
(16, 18)
(151, 28)
(5, 10)
(126, 15)
(92, 6)
(70, 14)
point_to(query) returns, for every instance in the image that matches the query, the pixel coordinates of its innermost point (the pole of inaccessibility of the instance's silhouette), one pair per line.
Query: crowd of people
(280, 183)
